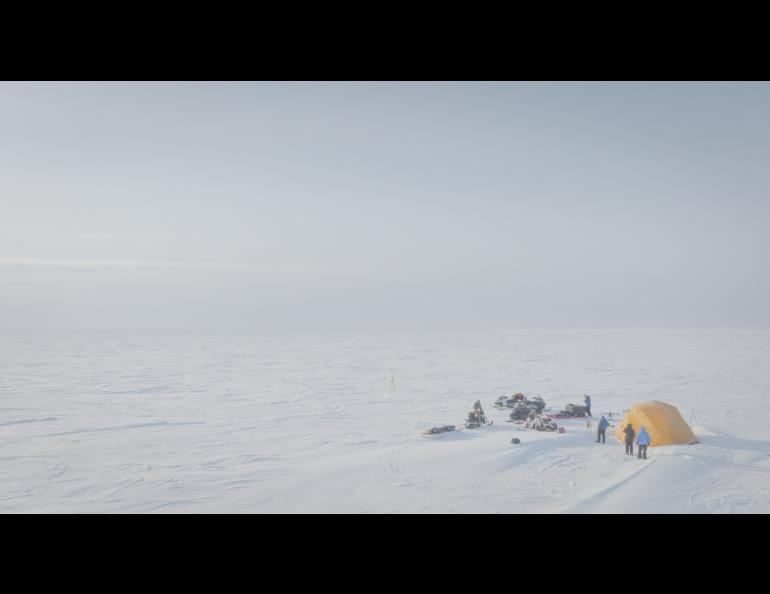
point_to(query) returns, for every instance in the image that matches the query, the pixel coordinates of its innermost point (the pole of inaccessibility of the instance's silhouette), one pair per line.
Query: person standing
(602, 434)
(629, 431)
(642, 440)
(587, 400)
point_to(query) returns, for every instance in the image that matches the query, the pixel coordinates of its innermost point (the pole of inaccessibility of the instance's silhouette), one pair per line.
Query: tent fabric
(662, 421)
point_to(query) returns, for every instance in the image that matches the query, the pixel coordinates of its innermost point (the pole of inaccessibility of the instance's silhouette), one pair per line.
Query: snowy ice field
(290, 425)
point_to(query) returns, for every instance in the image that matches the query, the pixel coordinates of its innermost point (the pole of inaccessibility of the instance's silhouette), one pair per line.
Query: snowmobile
(503, 402)
(541, 423)
(439, 429)
(523, 408)
(520, 412)
(477, 418)
(509, 401)
(571, 411)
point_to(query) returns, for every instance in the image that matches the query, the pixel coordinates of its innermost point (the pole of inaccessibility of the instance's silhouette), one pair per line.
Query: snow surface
(224, 424)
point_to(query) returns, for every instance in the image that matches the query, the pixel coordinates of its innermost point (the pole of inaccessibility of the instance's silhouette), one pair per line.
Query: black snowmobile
(477, 418)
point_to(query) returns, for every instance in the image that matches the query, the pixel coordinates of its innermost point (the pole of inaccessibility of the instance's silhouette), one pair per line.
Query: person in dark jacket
(643, 440)
(630, 433)
(602, 434)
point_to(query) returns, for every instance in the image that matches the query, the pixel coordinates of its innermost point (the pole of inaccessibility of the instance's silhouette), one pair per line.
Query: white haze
(331, 206)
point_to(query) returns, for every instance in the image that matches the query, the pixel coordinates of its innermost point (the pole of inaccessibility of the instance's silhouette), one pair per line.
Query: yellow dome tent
(662, 421)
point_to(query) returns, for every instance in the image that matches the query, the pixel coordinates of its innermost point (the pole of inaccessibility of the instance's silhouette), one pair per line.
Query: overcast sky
(384, 205)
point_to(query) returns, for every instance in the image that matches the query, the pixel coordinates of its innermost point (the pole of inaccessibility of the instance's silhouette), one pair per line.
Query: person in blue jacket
(602, 434)
(642, 440)
(587, 400)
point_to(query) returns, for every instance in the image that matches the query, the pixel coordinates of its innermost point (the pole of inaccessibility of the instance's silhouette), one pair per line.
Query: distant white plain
(103, 423)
